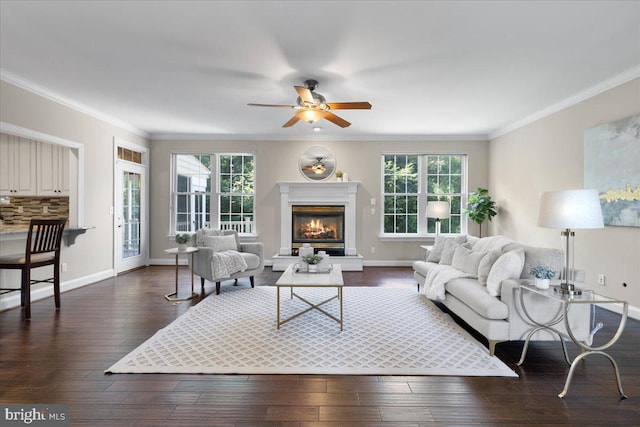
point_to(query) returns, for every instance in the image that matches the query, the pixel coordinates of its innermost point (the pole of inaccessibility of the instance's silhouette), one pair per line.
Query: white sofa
(479, 280)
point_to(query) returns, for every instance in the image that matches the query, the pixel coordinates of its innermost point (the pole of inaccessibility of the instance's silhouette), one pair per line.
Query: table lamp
(438, 210)
(569, 210)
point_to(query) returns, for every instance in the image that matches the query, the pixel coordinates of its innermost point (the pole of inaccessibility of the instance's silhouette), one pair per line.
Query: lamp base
(567, 289)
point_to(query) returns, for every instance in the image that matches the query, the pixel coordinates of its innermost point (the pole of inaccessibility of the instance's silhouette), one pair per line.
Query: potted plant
(182, 240)
(480, 207)
(542, 275)
(312, 261)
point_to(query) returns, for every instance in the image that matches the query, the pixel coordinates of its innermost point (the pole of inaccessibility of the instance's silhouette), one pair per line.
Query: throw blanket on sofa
(225, 263)
(437, 276)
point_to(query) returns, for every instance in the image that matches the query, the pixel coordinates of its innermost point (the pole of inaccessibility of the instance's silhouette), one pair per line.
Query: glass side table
(587, 297)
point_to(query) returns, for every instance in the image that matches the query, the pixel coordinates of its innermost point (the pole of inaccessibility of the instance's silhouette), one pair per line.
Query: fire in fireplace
(321, 226)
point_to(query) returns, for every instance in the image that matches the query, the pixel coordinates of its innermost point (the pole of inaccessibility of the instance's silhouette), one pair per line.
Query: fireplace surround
(330, 195)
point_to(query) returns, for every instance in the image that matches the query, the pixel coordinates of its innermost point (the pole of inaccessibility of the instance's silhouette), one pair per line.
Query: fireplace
(321, 226)
(329, 195)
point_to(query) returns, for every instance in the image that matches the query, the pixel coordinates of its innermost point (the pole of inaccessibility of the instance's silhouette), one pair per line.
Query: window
(410, 181)
(400, 194)
(445, 182)
(237, 191)
(213, 190)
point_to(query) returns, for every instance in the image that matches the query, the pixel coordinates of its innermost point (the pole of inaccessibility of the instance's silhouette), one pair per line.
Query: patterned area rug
(386, 332)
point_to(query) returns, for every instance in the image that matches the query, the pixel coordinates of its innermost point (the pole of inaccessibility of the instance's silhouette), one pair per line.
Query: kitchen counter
(12, 232)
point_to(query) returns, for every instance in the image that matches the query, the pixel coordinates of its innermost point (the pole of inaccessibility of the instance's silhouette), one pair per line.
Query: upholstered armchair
(210, 243)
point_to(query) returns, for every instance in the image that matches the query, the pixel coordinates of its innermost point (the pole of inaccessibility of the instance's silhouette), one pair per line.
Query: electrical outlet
(601, 280)
(373, 211)
(63, 267)
(20, 209)
(45, 209)
(373, 249)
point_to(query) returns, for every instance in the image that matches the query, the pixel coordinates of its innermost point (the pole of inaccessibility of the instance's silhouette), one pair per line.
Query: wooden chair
(42, 249)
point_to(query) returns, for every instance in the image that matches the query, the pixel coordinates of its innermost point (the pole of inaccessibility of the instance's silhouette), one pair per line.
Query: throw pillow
(438, 246)
(447, 253)
(221, 243)
(203, 232)
(466, 260)
(508, 266)
(485, 266)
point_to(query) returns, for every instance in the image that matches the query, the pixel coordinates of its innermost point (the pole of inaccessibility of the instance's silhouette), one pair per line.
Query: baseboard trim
(13, 300)
(632, 312)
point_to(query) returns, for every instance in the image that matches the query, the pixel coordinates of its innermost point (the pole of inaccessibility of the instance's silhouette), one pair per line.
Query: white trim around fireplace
(319, 193)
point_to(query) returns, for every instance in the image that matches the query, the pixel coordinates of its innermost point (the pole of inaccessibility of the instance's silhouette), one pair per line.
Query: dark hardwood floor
(60, 357)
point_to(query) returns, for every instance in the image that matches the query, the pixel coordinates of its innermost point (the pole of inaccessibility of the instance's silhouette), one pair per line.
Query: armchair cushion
(221, 243)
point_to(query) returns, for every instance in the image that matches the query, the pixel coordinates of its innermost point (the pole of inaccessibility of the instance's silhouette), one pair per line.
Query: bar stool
(42, 249)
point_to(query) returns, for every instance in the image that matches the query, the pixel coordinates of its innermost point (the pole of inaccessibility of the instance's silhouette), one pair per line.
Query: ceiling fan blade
(304, 93)
(335, 119)
(272, 105)
(349, 105)
(292, 121)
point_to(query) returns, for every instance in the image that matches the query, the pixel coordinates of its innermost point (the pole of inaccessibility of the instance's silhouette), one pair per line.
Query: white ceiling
(463, 68)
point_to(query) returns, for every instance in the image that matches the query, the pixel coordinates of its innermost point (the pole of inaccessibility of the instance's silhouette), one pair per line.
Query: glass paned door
(130, 214)
(130, 220)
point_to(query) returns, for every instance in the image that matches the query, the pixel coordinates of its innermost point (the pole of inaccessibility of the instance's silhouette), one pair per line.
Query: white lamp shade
(570, 209)
(438, 210)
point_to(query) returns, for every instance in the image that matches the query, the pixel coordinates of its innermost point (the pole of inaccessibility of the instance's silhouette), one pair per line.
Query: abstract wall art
(612, 166)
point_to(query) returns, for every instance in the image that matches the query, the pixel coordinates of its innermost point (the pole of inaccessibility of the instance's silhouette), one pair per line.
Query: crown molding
(615, 81)
(35, 88)
(314, 138)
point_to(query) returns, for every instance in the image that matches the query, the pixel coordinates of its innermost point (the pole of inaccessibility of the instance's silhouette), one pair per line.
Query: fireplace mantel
(318, 193)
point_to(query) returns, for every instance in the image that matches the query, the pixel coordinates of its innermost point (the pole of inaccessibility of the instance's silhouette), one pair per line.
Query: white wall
(92, 255)
(548, 155)
(278, 161)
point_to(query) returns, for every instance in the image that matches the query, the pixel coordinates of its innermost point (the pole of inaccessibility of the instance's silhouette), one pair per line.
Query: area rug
(386, 332)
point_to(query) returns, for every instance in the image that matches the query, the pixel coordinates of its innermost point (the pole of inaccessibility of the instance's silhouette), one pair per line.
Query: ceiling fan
(312, 106)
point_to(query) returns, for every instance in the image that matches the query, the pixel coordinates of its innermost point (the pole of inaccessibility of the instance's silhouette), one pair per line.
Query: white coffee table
(290, 279)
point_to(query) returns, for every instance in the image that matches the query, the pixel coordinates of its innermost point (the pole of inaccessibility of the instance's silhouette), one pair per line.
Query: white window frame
(422, 233)
(214, 194)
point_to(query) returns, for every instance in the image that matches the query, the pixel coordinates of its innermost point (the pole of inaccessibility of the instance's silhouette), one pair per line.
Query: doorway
(130, 222)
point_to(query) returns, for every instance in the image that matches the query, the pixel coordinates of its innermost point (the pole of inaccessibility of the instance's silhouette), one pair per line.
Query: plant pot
(313, 268)
(542, 283)
(183, 246)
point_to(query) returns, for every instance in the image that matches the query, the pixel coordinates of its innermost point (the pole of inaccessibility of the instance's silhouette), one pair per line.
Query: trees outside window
(410, 181)
(213, 190)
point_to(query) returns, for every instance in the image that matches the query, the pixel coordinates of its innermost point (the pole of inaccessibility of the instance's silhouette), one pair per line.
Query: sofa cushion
(438, 246)
(467, 260)
(492, 243)
(470, 292)
(535, 256)
(485, 266)
(448, 251)
(508, 266)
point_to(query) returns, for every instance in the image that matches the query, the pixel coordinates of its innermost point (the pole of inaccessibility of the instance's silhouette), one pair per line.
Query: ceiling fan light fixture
(312, 115)
(317, 128)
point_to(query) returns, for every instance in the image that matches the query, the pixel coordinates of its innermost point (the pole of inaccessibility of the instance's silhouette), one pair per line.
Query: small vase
(313, 268)
(542, 283)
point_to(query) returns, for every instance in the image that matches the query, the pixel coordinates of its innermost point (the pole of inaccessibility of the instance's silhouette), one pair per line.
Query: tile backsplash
(32, 207)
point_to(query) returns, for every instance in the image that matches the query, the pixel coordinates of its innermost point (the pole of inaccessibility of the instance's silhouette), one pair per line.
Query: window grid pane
(444, 182)
(236, 192)
(193, 195)
(400, 183)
